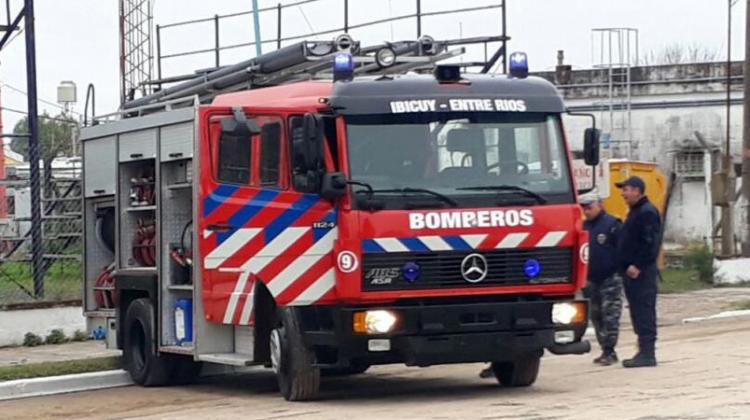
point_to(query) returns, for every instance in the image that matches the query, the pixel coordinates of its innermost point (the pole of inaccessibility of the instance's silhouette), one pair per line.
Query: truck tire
(292, 361)
(139, 350)
(521, 372)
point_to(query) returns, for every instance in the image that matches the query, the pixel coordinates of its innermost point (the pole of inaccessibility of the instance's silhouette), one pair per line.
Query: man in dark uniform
(637, 253)
(604, 287)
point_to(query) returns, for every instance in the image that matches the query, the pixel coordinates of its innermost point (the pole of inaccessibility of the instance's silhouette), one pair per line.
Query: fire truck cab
(331, 225)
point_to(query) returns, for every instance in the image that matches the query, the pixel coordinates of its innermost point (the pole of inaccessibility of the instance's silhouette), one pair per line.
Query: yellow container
(656, 185)
(656, 188)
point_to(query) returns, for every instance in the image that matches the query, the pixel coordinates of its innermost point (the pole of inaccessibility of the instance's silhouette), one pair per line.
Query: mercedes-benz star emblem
(474, 268)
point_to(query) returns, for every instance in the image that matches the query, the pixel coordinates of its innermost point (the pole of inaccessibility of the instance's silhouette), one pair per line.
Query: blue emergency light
(532, 268)
(519, 65)
(343, 67)
(411, 271)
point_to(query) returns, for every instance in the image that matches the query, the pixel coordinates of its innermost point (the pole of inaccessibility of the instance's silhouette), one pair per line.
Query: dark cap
(633, 181)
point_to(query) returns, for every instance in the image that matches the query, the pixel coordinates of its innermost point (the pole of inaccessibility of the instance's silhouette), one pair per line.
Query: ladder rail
(304, 60)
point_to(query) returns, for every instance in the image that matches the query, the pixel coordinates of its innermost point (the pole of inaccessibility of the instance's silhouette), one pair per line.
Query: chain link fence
(61, 227)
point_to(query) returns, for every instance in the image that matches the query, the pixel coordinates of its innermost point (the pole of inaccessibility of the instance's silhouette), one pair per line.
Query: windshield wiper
(509, 188)
(407, 190)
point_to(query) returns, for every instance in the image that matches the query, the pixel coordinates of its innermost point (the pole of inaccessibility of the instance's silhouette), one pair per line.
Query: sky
(77, 40)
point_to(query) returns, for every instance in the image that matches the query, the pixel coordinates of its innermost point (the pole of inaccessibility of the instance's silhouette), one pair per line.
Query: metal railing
(61, 233)
(344, 27)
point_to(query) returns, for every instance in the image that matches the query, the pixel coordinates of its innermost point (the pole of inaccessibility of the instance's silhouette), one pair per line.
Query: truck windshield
(476, 160)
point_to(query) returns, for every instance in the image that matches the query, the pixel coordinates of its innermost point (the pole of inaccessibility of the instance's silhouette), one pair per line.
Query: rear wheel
(139, 350)
(292, 361)
(520, 372)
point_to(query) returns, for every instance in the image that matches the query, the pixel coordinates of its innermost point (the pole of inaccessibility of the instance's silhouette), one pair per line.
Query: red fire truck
(328, 207)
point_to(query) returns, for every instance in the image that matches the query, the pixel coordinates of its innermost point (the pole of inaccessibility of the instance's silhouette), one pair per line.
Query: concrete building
(659, 116)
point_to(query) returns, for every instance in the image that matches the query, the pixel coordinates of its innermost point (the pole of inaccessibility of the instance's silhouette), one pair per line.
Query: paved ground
(703, 375)
(672, 310)
(54, 353)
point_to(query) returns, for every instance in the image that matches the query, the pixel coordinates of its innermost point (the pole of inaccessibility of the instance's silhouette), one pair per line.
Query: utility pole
(37, 263)
(746, 133)
(727, 234)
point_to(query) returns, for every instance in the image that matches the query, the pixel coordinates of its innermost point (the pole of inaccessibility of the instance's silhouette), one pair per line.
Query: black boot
(640, 360)
(608, 357)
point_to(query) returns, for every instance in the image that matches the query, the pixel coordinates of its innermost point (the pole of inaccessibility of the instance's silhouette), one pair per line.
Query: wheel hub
(276, 350)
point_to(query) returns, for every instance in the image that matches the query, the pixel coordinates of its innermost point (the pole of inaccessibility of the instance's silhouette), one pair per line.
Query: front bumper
(431, 334)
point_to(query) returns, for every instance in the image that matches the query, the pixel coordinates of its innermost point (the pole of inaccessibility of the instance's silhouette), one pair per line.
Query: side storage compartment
(99, 168)
(137, 216)
(99, 255)
(122, 243)
(176, 142)
(137, 145)
(176, 255)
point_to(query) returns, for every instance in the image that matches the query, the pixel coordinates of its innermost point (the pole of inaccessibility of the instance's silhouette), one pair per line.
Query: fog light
(374, 322)
(565, 337)
(567, 313)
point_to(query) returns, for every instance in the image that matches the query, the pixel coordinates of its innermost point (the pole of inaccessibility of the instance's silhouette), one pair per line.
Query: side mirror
(333, 185)
(591, 146)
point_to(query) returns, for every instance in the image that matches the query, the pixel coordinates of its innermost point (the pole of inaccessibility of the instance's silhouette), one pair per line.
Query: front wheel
(521, 372)
(292, 361)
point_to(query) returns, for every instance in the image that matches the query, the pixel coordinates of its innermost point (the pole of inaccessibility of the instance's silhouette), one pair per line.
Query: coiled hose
(144, 243)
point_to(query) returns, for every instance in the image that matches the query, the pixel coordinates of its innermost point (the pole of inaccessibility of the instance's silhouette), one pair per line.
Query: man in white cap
(604, 286)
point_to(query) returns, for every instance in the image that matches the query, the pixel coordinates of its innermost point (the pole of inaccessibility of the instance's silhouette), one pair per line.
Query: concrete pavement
(702, 375)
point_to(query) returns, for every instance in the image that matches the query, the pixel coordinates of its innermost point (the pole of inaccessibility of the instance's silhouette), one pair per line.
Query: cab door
(256, 227)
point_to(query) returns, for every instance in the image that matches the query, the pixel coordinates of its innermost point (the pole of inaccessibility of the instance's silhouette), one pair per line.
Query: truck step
(234, 359)
(187, 350)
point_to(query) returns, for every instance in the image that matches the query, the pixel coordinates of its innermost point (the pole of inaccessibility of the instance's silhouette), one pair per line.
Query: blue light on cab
(411, 271)
(343, 62)
(343, 67)
(519, 65)
(532, 268)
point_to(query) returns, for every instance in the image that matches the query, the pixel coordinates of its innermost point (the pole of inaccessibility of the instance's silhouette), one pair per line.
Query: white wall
(687, 221)
(657, 133)
(15, 324)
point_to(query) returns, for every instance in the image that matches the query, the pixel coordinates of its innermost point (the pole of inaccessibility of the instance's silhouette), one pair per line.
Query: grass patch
(38, 370)
(62, 281)
(681, 280)
(740, 305)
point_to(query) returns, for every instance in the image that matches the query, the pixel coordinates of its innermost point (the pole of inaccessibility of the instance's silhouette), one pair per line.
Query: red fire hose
(105, 294)
(144, 243)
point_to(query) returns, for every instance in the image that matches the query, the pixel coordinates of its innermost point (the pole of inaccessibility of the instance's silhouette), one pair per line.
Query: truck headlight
(566, 313)
(374, 322)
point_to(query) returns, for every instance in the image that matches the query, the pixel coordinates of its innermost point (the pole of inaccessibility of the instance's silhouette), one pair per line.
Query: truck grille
(385, 271)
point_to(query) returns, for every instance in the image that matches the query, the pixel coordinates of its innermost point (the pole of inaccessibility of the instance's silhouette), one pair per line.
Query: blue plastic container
(183, 321)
